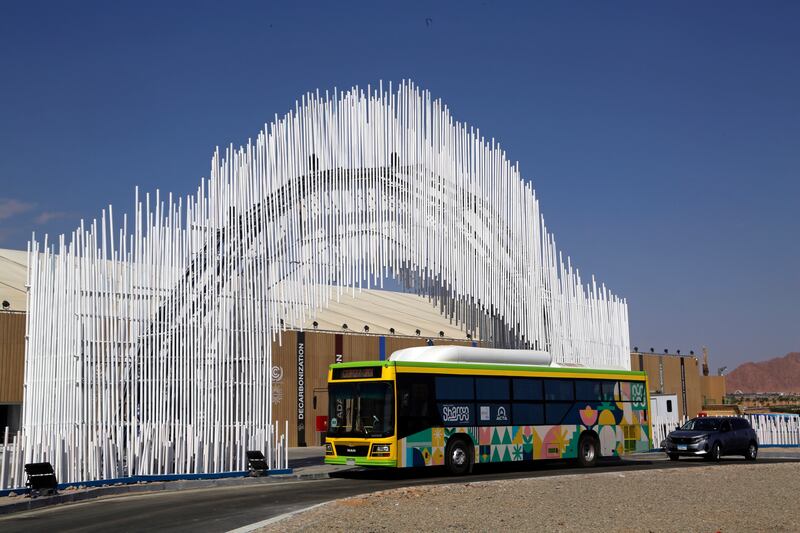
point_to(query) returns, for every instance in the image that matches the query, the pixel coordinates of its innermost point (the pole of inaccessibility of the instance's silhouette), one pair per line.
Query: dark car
(712, 437)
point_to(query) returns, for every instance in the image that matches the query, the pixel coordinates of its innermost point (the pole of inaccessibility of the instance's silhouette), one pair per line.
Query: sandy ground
(730, 497)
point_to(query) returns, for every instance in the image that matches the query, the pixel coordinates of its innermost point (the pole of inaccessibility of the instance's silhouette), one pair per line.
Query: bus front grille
(351, 451)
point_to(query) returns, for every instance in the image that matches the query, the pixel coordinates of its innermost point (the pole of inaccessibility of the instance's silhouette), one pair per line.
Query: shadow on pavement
(541, 466)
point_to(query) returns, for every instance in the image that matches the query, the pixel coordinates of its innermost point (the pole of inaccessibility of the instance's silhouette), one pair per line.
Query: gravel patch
(728, 498)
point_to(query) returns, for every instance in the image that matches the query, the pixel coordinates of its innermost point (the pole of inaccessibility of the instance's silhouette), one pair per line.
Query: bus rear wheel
(458, 457)
(587, 450)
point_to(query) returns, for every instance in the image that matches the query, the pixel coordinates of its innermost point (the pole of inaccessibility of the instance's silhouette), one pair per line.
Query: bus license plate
(351, 462)
(681, 446)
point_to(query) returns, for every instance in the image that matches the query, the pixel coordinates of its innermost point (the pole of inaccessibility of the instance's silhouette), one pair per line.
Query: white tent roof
(377, 309)
(13, 276)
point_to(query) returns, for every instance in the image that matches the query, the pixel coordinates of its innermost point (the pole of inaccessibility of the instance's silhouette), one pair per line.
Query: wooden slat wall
(284, 390)
(672, 379)
(12, 356)
(320, 353)
(361, 348)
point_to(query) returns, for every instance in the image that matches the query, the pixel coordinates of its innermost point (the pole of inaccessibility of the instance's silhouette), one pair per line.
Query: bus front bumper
(359, 461)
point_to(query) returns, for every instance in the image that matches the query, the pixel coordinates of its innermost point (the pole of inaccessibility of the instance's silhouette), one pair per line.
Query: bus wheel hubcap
(588, 451)
(459, 457)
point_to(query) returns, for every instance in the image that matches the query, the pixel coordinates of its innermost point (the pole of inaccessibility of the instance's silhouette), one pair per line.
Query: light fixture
(344, 326)
(391, 330)
(418, 332)
(366, 329)
(315, 324)
(636, 349)
(6, 304)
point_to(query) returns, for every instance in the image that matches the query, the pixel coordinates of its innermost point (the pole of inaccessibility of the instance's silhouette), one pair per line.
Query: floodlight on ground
(652, 350)
(391, 330)
(256, 463)
(315, 324)
(636, 349)
(41, 479)
(469, 335)
(678, 352)
(6, 304)
(366, 329)
(441, 333)
(418, 332)
(666, 350)
(344, 326)
(691, 352)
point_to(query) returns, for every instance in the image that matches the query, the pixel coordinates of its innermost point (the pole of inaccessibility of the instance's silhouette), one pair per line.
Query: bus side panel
(426, 448)
(622, 426)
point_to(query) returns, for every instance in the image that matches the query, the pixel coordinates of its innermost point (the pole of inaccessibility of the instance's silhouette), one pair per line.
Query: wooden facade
(12, 356)
(673, 374)
(320, 350)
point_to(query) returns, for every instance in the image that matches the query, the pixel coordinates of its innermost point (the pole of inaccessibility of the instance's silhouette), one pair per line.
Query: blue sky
(663, 140)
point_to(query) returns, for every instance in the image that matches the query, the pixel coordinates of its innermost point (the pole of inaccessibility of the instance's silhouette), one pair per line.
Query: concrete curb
(169, 486)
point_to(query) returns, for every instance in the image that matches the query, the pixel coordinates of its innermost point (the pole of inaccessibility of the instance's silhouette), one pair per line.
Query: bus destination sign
(368, 372)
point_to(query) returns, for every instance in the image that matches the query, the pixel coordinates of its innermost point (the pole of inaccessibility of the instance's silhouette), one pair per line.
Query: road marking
(258, 525)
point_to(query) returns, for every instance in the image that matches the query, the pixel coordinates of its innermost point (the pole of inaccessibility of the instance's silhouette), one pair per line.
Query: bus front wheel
(587, 450)
(458, 457)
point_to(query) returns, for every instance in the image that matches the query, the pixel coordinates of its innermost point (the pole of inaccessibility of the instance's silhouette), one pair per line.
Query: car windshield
(701, 424)
(361, 409)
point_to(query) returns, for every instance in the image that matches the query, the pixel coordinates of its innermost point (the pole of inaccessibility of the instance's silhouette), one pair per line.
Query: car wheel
(587, 450)
(716, 453)
(752, 452)
(673, 456)
(458, 457)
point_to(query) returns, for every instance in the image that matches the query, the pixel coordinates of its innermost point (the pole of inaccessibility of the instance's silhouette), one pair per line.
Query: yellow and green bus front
(361, 414)
(403, 414)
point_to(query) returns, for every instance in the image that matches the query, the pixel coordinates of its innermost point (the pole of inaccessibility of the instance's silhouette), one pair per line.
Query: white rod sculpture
(149, 339)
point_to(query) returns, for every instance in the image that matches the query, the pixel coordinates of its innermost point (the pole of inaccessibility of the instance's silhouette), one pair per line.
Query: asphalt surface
(225, 508)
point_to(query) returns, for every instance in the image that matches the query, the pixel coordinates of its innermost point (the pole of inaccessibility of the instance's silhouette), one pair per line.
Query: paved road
(224, 508)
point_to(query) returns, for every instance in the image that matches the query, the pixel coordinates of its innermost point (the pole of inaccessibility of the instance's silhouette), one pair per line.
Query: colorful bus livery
(410, 413)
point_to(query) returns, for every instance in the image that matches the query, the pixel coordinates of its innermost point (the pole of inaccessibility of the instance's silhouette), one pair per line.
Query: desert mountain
(781, 374)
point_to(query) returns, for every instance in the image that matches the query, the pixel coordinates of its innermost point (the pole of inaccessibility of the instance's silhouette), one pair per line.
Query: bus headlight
(381, 449)
(328, 448)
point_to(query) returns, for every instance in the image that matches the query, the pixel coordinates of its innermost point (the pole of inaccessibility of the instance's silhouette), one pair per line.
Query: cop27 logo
(455, 413)
(638, 396)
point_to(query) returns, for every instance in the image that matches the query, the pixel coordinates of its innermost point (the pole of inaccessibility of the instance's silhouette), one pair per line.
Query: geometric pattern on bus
(621, 425)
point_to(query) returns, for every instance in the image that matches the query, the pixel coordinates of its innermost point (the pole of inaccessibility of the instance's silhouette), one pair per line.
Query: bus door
(319, 407)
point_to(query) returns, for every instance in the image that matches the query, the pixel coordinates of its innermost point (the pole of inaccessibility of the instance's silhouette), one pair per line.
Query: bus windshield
(361, 409)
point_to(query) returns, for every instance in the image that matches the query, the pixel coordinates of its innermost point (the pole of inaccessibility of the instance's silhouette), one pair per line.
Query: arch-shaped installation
(149, 337)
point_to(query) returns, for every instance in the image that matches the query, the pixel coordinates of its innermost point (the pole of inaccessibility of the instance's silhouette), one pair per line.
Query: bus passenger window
(588, 390)
(528, 389)
(492, 388)
(455, 388)
(559, 390)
